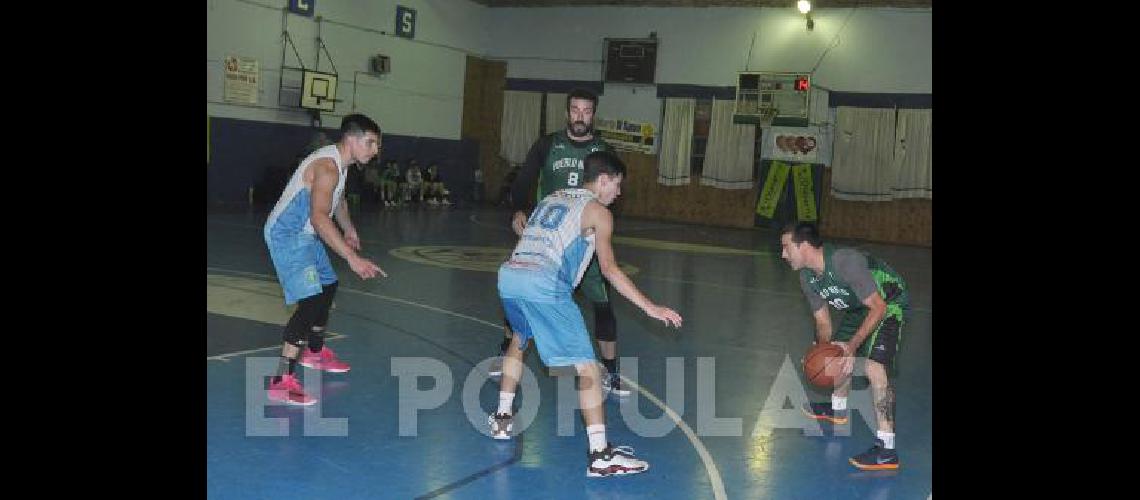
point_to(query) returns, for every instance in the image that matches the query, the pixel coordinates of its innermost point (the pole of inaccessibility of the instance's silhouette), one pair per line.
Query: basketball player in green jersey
(556, 159)
(873, 297)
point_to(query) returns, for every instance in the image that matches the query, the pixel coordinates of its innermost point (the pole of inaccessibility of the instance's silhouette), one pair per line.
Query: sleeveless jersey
(552, 245)
(291, 213)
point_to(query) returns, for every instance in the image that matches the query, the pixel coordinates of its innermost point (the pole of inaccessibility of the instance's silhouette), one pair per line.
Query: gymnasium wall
(419, 103)
(871, 56)
(867, 57)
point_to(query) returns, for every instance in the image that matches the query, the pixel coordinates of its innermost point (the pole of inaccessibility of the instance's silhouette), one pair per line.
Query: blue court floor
(712, 412)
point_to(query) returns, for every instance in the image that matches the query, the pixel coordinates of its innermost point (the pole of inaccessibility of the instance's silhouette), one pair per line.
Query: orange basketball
(822, 364)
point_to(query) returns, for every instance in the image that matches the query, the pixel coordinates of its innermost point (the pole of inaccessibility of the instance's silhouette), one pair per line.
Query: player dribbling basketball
(874, 299)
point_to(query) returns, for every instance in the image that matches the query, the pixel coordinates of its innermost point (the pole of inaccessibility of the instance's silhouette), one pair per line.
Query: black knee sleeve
(321, 317)
(311, 311)
(605, 324)
(300, 325)
(328, 292)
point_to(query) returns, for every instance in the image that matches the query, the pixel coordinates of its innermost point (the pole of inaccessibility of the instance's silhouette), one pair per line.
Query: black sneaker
(613, 462)
(501, 425)
(823, 411)
(611, 383)
(876, 458)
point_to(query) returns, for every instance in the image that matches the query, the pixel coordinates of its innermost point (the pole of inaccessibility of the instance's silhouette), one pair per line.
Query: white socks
(506, 400)
(888, 439)
(597, 435)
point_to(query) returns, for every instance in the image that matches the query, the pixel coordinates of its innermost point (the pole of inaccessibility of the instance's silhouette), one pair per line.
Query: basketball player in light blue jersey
(300, 221)
(536, 286)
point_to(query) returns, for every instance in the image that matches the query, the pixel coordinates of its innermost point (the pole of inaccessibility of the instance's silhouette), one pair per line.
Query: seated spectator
(436, 192)
(415, 182)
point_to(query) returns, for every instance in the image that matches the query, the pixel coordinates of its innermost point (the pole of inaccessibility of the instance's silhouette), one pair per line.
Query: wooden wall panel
(903, 222)
(483, 86)
(642, 196)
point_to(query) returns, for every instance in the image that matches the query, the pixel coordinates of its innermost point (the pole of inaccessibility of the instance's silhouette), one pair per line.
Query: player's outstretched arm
(325, 177)
(602, 221)
(526, 182)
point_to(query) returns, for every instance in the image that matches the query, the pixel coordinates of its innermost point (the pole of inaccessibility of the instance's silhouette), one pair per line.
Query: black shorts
(881, 345)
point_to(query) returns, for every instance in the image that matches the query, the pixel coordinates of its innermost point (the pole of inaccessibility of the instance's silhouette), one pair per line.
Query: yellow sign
(805, 195)
(773, 189)
(627, 135)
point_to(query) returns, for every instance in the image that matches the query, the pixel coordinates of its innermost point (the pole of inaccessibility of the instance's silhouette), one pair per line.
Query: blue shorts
(301, 262)
(555, 323)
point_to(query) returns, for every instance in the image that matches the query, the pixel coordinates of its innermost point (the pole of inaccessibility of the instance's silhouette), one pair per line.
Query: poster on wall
(628, 135)
(797, 144)
(241, 79)
(805, 193)
(772, 190)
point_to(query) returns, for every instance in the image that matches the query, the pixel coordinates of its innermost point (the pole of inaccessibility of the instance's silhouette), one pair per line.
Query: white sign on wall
(241, 75)
(797, 144)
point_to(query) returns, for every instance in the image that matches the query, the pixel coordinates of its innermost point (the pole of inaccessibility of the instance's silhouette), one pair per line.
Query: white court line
(228, 355)
(643, 276)
(706, 457)
(497, 326)
(702, 452)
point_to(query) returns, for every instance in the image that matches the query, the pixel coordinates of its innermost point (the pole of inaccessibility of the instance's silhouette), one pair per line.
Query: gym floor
(746, 326)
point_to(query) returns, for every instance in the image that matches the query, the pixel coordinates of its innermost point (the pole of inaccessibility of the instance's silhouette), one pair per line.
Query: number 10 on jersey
(548, 215)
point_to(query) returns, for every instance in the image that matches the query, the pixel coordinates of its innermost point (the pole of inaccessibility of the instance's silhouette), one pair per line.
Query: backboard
(318, 91)
(772, 98)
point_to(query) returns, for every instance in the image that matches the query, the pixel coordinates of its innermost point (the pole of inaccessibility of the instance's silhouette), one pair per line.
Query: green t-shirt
(849, 276)
(563, 166)
(557, 162)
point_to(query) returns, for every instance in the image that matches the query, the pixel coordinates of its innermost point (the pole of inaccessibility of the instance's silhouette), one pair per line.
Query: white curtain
(863, 154)
(730, 153)
(912, 154)
(818, 113)
(555, 112)
(675, 155)
(521, 113)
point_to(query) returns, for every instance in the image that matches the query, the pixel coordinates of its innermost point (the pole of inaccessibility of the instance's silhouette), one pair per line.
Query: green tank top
(563, 167)
(841, 295)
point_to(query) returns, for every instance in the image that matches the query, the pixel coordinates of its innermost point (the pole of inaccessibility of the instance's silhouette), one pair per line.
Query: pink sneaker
(289, 391)
(325, 360)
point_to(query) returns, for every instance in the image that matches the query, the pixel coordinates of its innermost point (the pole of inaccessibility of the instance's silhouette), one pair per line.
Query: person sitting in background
(354, 185)
(415, 185)
(505, 197)
(477, 194)
(390, 184)
(436, 192)
(372, 182)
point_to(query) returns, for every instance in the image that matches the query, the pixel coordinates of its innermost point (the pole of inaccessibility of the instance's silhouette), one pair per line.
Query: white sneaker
(613, 461)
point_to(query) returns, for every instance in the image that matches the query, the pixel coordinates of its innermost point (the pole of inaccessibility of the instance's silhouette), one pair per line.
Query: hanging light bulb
(804, 6)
